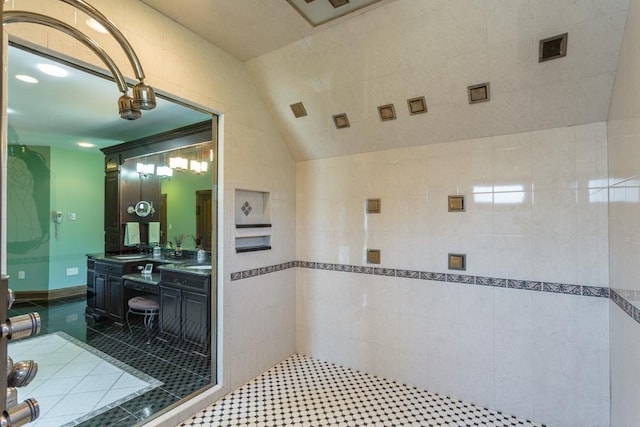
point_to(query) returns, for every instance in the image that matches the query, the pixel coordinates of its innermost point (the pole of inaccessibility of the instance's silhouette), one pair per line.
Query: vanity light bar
(145, 168)
(195, 166)
(164, 171)
(178, 163)
(198, 167)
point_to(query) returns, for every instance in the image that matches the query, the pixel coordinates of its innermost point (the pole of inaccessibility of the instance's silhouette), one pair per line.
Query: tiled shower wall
(536, 210)
(624, 228)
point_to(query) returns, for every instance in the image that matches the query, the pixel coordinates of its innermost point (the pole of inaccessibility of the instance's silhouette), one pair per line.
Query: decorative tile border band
(238, 275)
(618, 296)
(562, 288)
(626, 306)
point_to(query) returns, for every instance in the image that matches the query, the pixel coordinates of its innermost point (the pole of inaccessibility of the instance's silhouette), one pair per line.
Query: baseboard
(72, 291)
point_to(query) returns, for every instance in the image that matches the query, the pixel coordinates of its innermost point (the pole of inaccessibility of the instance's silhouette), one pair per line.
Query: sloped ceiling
(409, 48)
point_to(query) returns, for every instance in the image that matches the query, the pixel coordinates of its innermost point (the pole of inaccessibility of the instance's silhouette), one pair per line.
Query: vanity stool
(147, 306)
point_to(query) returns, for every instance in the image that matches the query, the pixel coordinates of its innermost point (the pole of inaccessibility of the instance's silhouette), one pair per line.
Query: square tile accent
(417, 105)
(456, 204)
(373, 206)
(553, 47)
(298, 110)
(479, 93)
(246, 208)
(387, 112)
(341, 121)
(373, 256)
(301, 391)
(457, 262)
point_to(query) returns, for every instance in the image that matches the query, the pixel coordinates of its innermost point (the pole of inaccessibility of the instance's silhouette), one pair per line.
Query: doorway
(204, 218)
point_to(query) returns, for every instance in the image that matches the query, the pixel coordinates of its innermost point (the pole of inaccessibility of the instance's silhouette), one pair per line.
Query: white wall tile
(623, 209)
(524, 219)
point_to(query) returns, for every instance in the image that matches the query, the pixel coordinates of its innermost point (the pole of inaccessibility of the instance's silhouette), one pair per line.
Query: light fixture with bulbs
(145, 169)
(164, 171)
(178, 163)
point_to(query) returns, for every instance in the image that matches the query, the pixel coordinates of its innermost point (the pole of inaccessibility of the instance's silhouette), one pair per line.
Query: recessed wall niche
(253, 220)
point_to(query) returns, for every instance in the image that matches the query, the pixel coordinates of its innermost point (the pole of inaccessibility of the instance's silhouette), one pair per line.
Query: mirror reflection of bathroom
(55, 164)
(182, 178)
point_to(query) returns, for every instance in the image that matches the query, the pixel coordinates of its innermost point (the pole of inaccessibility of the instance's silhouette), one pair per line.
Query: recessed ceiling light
(25, 78)
(86, 144)
(95, 25)
(52, 70)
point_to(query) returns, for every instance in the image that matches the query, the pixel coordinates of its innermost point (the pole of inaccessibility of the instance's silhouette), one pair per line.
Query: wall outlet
(72, 271)
(21, 275)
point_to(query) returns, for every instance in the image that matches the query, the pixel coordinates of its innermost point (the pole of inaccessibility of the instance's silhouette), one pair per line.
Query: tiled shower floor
(305, 392)
(181, 369)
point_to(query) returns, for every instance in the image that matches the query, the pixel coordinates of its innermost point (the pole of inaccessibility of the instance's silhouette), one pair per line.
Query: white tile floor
(75, 382)
(302, 391)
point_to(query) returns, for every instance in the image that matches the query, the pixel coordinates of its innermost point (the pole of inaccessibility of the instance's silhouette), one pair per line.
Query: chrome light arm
(113, 30)
(127, 106)
(144, 97)
(10, 17)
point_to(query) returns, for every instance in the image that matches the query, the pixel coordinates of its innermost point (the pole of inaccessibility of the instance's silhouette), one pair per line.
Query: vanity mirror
(143, 208)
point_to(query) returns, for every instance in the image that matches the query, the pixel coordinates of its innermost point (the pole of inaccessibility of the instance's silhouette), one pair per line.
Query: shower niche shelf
(253, 221)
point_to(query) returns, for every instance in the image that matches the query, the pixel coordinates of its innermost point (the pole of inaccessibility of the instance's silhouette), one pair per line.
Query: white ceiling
(245, 28)
(403, 49)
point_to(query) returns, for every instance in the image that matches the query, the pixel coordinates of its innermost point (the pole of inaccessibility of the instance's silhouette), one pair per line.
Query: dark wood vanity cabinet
(105, 294)
(185, 310)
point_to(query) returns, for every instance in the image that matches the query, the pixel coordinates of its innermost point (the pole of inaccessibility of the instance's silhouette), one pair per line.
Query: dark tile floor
(182, 369)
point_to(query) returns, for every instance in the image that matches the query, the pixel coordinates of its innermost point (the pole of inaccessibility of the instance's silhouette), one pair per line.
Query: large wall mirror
(182, 180)
(62, 118)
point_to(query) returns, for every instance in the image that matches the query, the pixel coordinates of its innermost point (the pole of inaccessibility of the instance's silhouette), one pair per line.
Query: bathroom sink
(129, 256)
(199, 267)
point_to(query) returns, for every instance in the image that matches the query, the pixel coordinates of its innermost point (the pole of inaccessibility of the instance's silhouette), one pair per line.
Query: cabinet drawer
(108, 268)
(141, 287)
(185, 281)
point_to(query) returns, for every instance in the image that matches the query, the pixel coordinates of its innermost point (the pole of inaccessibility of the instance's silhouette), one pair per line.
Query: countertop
(201, 269)
(181, 265)
(151, 279)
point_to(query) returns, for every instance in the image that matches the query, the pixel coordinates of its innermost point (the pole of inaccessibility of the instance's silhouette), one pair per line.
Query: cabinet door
(115, 299)
(170, 311)
(112, 211)
(195, 318)
(100, 289)
(91, 291)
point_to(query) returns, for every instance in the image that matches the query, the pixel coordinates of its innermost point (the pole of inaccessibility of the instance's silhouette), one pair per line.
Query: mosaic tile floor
(181, 369)
(302, 391)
